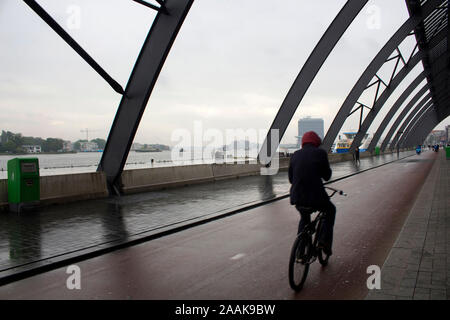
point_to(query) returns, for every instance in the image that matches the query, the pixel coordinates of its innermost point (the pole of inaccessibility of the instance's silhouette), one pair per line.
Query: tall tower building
(309, 124)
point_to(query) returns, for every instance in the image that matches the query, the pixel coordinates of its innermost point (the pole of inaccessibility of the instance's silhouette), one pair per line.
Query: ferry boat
(344, 143)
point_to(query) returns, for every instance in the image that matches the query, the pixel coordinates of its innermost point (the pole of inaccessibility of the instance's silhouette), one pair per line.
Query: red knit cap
(312, 138)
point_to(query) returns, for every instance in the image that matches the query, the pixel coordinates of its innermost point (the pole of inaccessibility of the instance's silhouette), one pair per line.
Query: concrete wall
(3, 192)
(72, 187)
(140, 180)
(65, 188)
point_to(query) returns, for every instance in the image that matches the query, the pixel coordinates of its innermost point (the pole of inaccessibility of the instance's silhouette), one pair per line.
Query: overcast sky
(231, 65)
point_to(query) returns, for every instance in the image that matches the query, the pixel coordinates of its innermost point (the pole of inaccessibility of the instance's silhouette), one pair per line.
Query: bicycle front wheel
(298, 262)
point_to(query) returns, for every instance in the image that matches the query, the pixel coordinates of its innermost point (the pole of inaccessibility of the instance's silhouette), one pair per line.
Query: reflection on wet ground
(58, 230)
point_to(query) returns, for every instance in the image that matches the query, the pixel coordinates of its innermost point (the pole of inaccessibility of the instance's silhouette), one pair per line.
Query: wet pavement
(245, 255)
(37, 238)
(418, 265)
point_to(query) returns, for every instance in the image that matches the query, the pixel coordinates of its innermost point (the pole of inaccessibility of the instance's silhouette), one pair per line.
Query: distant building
(309, 124)
(88, 146)
(32, 149)
(136, 146)
(436, 137)
(67, 146)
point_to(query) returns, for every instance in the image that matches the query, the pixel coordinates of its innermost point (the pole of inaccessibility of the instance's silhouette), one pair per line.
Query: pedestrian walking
(357, 156)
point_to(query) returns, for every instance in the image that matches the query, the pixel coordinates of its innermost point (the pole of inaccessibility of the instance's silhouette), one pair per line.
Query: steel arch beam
(404, 112)
(426, 33)
(444, 113)
(441, 35)
(149, 63)
(411, 129)
(440, 117)
(429, 118)
(440, 95)
(307, 74)
(372, 69)
(427, 128)
(429, 105)
(383, 98)
(430, 128)
(400, 100)
(440, 76)
(393, 110)
(399, 119)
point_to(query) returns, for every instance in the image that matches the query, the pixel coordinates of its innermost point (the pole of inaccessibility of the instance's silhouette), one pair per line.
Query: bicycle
(305, 250)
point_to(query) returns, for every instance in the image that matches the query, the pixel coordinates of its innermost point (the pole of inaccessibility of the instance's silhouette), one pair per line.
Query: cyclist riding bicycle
(307, 167)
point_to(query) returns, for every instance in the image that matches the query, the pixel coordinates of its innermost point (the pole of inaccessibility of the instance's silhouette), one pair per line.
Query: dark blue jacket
(307, 167)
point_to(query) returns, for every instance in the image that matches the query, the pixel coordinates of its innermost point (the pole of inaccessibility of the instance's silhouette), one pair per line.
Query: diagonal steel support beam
(383, 98)
(307, 74)
(154, 51)
(393, 110)
(71, 42)
(395, 107)
(393, 43)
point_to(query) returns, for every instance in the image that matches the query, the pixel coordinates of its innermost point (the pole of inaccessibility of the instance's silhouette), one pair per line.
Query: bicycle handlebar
(342, 193)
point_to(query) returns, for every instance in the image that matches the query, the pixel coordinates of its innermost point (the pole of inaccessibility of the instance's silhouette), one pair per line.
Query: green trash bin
(377, 151)
(447, 152)
(23, 184)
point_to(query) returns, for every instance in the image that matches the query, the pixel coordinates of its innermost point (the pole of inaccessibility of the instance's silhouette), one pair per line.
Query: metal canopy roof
(431, 35)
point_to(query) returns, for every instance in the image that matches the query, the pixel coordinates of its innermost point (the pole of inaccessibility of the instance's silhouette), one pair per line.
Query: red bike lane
(245, 256)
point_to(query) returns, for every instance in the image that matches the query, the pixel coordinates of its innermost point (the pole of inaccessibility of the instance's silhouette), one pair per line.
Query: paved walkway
(66, 231)
(418, 266)
(245, 256)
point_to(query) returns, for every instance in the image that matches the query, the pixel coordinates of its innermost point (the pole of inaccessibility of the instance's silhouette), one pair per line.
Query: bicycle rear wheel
(323, 257)
(298, 262)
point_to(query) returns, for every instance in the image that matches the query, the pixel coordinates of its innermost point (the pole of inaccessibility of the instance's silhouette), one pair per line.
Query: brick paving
(418, 266)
